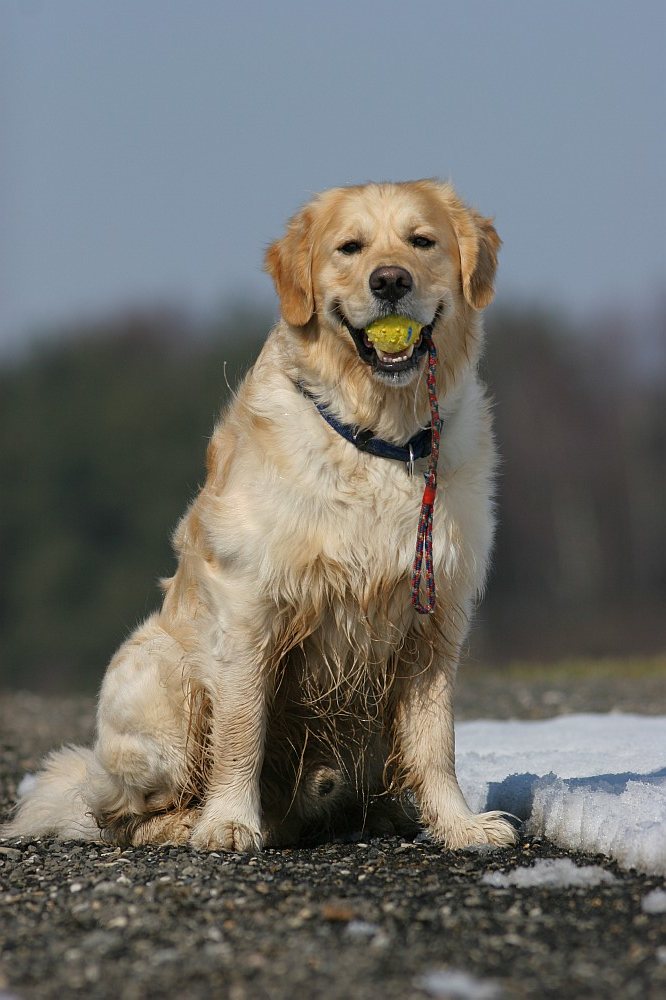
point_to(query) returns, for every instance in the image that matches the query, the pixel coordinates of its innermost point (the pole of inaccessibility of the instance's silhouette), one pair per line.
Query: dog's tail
(52, 801)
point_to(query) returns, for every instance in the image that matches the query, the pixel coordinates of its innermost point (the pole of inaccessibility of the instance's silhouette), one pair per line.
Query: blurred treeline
(102, 441)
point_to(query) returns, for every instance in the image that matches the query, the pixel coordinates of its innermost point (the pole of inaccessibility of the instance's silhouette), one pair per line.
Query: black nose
(390, 283)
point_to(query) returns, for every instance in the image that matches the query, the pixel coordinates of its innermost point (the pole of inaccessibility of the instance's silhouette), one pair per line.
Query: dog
(289, 689)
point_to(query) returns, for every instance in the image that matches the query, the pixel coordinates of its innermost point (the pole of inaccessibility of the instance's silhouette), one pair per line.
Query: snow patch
(456, 985)
(361, 930)
(593, 783)
(26, 784)
(654, 902)
(551, 873)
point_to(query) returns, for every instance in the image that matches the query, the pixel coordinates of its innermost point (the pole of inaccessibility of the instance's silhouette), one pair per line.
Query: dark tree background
(102, 440)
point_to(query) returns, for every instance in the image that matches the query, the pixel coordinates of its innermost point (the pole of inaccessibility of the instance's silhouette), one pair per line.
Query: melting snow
(594, 783)
(551, 873)
(654, 902)
(456, 985)
(26, 784)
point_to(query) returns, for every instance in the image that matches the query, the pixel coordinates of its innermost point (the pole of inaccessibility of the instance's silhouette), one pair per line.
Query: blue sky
(152, 148)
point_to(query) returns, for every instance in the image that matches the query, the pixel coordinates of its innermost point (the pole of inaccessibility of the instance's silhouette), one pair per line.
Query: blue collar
(417, 447)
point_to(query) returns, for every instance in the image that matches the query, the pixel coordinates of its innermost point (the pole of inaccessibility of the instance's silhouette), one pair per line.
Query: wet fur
(287, 690)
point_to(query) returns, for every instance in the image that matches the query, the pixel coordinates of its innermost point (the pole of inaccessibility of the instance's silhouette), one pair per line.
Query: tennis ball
(393, 334)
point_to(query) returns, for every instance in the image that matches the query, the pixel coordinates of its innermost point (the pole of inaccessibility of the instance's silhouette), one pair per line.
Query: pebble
(299, 922)
(108, 889)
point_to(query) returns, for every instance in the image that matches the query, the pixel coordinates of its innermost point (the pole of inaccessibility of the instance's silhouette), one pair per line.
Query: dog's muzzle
(391, 367)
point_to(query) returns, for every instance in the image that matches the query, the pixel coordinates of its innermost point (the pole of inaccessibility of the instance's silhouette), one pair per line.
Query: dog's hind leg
(145, 751)
(173, 827)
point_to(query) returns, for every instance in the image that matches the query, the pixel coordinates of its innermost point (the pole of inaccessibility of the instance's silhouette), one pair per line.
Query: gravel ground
(367, 919)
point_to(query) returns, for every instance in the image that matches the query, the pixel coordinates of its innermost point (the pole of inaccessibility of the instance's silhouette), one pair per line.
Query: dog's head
(358, 254)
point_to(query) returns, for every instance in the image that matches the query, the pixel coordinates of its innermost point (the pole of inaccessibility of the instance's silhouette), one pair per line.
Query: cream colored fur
(287, 684)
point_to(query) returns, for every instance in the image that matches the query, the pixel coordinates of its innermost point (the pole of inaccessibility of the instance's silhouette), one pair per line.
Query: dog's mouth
(391, 367)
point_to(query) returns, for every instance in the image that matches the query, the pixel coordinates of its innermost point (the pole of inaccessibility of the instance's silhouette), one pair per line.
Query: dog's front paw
(492, 828)
(215, 832)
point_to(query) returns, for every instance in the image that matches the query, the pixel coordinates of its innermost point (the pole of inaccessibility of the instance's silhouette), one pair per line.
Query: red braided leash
(424, 533)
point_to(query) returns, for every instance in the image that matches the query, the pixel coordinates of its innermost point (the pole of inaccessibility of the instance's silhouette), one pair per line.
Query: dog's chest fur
(326, 535)
(347, 563)
(346, 536)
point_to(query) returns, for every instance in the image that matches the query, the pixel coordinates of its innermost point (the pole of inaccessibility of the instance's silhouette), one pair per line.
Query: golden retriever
(287, 688)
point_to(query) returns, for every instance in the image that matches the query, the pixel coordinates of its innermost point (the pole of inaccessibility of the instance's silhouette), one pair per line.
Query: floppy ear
(479, 243)
(289, 263)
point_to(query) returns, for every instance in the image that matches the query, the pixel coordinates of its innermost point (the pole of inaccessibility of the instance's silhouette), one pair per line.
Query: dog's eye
(350, 247)
(422, 242)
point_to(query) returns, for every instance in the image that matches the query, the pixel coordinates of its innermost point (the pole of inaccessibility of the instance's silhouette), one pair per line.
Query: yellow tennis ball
(393, 334)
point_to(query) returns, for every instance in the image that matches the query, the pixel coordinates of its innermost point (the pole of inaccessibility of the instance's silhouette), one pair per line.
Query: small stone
(118, 923)
(337, 912)
(108, 889)
(10, 853)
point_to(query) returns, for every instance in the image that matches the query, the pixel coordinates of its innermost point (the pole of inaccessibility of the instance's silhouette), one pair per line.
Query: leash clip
(410, 464)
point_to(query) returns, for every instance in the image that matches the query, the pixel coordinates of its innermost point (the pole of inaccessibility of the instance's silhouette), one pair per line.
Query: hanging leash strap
(422, 445)
(424, 534)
